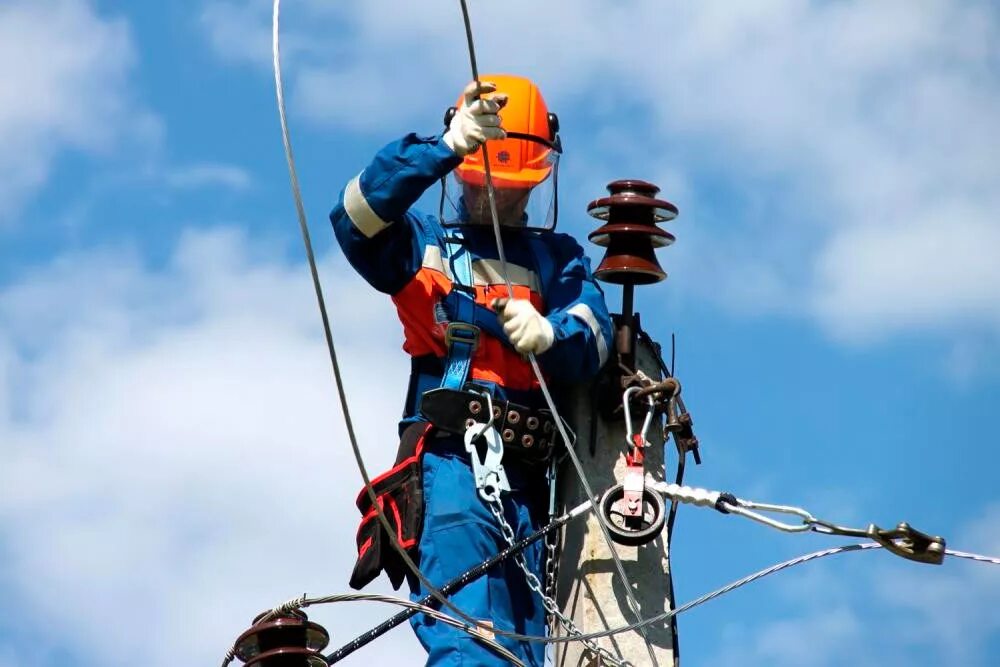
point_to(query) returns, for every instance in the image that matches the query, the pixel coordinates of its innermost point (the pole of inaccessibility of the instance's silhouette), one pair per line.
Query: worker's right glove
(476, 120)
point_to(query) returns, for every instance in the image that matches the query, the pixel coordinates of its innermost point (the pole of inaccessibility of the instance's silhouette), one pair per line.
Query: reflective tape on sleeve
(360, 212)
(583, 312)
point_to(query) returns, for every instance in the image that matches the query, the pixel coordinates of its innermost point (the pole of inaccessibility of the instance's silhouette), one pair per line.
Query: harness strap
(467, 319)
(462, 335)
(461, 298)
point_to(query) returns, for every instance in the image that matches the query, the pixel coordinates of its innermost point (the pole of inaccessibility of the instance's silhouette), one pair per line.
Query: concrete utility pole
(589, 589)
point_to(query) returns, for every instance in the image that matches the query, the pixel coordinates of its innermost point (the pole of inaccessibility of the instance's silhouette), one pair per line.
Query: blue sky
(168, 425)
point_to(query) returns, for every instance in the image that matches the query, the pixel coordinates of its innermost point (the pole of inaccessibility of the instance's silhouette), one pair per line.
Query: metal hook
(744, 507)
(483, 391)
(647, 422)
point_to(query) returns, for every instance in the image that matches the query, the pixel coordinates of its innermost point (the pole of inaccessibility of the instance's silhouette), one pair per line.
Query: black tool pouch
(400, 495)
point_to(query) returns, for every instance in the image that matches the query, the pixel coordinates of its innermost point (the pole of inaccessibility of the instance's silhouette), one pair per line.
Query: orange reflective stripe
(494, 361)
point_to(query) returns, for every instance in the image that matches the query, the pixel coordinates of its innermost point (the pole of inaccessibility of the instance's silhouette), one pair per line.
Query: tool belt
(400, 495)
(528, 434)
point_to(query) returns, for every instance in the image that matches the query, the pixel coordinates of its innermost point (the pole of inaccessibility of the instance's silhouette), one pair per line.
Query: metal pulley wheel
(629, 530)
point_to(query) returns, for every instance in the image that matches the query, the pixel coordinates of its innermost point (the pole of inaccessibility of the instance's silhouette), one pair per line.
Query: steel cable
(728, 588)
(536, 369)
(331, 348)
(471, 622)
(341, 393)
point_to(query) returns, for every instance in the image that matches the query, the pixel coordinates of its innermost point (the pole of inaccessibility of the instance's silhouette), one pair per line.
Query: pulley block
(627, 528)
(289, 639)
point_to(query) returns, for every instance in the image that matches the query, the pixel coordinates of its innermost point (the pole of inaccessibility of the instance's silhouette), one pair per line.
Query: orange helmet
(524, 158)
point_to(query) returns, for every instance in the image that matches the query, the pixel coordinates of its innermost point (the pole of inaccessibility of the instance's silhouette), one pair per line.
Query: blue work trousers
(459, 532)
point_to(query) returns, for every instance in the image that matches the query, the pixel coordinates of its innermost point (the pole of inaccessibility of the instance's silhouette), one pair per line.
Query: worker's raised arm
(372, 220)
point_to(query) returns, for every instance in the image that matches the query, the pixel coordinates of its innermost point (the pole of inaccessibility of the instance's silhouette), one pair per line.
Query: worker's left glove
(526, 328)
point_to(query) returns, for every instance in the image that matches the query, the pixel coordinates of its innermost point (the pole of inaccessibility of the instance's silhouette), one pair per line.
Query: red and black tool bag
(400, 495)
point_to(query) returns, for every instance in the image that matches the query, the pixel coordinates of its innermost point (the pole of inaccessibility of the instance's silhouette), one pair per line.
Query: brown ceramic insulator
(630, 262)
(291, 630)
(289, 657)
(633, 198)
(631, 236)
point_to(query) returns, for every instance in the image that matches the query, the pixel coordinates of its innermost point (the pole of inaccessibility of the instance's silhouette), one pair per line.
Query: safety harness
(490, 428)
(456, 406)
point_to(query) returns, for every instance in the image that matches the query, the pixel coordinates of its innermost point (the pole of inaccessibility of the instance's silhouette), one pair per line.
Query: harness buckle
(462, 332)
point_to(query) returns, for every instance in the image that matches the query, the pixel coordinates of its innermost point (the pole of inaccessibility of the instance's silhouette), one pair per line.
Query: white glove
(476, 120)
(527, 329)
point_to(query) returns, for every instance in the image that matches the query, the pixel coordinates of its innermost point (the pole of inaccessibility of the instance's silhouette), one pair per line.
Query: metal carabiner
(744, 507)
(630, 440)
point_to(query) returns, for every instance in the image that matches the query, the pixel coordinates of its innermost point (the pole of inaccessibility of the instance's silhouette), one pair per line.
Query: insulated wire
(303, 602)
(360, 461)
(760, 574)
(633, 603)
(341, 393)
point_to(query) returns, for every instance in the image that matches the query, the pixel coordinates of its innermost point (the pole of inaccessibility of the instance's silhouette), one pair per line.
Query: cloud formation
(876, 124)
(174, 459)
(66, 72)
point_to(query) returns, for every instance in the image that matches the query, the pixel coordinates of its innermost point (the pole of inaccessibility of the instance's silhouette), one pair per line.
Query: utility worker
(468, 338)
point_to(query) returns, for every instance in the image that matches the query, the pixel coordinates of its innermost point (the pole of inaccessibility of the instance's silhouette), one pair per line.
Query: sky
(172, 456)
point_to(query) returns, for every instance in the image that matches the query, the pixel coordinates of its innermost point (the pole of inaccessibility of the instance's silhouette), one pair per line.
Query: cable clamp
(910, 543)
(903, 540)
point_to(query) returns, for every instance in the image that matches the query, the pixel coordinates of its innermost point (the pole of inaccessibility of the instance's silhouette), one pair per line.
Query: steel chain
(548, 601)
(551, 569)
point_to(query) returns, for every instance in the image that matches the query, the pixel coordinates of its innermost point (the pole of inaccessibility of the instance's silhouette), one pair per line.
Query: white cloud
(174, 460)
(815, 639)
(238, 31)
(930, 271)
(65, 71)
(208, 175)
(856, 141)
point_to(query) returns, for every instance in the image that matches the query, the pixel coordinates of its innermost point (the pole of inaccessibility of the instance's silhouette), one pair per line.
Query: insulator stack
(631, 213)
(287, 640)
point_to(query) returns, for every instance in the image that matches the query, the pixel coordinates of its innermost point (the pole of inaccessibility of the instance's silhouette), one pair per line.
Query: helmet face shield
(524, 166)
(526, 196)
